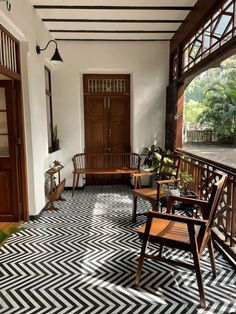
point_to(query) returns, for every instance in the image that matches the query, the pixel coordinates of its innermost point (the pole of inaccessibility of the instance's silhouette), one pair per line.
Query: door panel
(9, 196)
(95, 133)
(95, 124)
(119, 126)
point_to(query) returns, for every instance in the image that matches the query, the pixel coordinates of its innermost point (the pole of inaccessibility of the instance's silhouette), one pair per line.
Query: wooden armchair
(168, 173)
(188, 234)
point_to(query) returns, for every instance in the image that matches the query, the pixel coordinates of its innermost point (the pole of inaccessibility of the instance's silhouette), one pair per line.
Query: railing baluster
(233, 218)
(8, 50)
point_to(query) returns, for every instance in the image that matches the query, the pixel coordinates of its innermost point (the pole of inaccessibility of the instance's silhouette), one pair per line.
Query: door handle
(104, 103)
(109, 132)
(109, 149)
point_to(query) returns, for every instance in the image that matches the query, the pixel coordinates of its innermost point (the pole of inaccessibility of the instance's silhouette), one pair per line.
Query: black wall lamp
(8, 5)
(56, 56)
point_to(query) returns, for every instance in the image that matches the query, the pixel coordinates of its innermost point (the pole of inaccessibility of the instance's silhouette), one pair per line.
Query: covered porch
(118, 90)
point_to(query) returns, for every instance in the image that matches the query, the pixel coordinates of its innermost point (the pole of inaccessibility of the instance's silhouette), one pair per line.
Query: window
(218, 29)
(48, 91)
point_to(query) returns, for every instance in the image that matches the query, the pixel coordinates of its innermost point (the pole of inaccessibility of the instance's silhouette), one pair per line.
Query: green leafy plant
(185, 179)
(56, 163)
(4, 235)
(152, 158)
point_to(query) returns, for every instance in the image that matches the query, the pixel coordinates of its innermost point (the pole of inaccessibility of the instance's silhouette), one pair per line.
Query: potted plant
(56, 164)
(185, 179)
(152, 161)
(152, 158)
(55, 139)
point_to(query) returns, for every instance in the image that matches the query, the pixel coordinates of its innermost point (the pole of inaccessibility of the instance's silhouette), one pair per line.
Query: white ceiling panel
(112, 19)
(114, 14)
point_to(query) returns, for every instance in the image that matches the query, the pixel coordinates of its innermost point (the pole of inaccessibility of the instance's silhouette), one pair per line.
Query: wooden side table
(55, 190)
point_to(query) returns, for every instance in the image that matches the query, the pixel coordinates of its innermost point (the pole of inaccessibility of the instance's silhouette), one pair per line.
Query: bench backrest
(106, 161)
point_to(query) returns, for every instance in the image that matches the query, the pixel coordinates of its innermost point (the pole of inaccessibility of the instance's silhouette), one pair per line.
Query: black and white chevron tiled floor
(83, 258)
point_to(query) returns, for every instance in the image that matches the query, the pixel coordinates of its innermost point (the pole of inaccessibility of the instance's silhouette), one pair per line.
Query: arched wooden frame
(174, 119)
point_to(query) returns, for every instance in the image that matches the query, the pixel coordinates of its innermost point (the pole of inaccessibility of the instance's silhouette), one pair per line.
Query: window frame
(48, 94)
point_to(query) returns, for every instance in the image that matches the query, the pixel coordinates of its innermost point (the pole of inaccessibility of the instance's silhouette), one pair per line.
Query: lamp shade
(56, 56)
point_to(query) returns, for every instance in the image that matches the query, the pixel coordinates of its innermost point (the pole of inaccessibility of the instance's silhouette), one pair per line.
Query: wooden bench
(104, 163)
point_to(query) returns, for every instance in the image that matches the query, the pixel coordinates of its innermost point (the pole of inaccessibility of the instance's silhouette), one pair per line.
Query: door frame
(17, 81)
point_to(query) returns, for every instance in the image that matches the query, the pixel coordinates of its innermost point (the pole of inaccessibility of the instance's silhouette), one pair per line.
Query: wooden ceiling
(113, 20)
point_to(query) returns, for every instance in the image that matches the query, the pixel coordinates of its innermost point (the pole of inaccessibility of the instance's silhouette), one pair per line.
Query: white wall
(146, 62)
(148, 65)
(23, 22)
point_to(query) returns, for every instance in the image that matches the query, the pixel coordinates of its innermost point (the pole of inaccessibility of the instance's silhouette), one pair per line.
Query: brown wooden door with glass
(9, 151)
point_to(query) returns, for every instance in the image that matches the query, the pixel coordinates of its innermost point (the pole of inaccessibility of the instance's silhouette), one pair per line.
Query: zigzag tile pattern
(83, 259)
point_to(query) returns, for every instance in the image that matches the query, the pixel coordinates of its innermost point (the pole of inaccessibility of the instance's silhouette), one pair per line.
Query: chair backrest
(214, 200)
(169, 166)
(209, 213)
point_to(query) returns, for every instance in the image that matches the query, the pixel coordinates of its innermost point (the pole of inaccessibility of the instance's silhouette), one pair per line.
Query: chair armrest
(185, 200)
(177, 218)
(160, 182)
(143, 174)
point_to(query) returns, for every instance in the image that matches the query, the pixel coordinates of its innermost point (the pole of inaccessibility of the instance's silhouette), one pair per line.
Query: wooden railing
(201, 136)
(205, 173)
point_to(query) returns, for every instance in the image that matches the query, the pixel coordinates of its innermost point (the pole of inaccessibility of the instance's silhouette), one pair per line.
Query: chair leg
(154, 205)
(199, 278)
(212, 257)
(139, 183)
(141, 260)
(134, 213)
(160, 250)
(77, 181)
(74, 180)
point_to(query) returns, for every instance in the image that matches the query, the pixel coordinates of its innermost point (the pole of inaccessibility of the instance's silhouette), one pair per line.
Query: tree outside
(210, 106)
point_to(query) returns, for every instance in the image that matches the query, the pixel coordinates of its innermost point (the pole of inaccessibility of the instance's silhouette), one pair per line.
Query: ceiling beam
(77, 39)
(111, 7)
(109, 31)
(109, 21)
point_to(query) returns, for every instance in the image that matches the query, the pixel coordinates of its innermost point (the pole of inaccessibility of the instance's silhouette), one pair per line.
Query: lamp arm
(38, 49)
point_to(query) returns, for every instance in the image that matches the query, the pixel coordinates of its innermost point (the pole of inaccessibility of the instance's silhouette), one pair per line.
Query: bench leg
(74, 180)
(77, 181)
(134, 213)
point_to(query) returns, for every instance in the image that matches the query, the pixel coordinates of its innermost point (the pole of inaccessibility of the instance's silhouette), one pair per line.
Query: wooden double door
(107, 119)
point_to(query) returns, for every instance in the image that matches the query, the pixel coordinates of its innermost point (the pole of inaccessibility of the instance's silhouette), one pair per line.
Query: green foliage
(152, 160)
(56, 163)
(193, 111)
(4, 235)
(210, 100)
(185, 179)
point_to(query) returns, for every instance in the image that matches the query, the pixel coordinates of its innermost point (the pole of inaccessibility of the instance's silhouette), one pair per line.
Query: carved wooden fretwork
(218, 29)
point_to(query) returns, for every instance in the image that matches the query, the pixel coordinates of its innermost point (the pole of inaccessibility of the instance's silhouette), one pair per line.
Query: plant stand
(54, 193)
